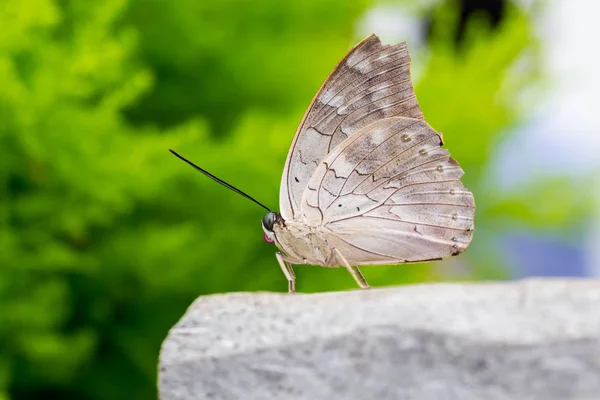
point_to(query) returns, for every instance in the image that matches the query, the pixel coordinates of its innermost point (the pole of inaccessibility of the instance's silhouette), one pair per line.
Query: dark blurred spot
(493, 10)
(480, 366)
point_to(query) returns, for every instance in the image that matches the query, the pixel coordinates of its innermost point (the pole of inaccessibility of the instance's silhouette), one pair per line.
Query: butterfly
(366, 180)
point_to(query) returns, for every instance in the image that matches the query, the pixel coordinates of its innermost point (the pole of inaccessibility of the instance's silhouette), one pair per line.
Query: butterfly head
(268, 222)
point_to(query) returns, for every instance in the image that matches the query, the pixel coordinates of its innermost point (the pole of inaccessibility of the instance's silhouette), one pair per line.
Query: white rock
(533, 339)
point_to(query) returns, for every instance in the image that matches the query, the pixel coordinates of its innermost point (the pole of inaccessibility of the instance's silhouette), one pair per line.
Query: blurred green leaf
(106, 238)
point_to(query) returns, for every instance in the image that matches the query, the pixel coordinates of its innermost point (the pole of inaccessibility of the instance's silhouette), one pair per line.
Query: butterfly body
(302, 243)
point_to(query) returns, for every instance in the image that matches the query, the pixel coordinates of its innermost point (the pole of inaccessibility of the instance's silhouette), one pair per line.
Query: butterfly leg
(288, 272)
(354, 271)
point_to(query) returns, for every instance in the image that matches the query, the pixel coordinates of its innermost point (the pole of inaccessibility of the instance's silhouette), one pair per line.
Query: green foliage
(105, 238)
(221, 58)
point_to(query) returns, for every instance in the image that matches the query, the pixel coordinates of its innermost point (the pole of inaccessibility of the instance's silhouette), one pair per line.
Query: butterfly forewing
(391, 194)
(371, 83)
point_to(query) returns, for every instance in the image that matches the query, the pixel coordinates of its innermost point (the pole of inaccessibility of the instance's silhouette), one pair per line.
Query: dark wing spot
(357, 208)
(452, 162)
(339, 205)
(296, 179)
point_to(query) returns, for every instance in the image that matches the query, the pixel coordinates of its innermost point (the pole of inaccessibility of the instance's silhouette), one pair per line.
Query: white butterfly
(366, 181)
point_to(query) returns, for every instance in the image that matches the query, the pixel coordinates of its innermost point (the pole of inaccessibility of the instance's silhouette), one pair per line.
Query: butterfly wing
(391, 194)
(371, 83)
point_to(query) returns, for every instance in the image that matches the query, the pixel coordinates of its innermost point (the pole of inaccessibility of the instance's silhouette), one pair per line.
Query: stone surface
(532, 339)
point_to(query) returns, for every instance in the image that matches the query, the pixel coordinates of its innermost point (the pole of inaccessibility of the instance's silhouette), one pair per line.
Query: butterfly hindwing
(391, 193)
(371, 83)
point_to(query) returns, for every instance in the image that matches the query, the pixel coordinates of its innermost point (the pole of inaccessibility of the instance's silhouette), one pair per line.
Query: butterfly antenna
(222, 182)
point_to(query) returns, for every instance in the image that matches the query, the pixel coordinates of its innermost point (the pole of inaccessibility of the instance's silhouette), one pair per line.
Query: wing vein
(397, 221)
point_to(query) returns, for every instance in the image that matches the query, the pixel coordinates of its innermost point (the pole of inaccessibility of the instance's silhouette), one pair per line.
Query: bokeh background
(106, 238)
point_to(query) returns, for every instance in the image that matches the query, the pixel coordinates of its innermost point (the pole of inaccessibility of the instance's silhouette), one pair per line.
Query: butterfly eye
(268, 221)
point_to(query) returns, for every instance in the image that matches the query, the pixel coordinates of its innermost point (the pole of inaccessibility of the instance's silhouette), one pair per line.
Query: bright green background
(106, 238)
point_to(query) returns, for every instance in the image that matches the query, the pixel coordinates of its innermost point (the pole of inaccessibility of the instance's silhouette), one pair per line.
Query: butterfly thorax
(301, 243)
